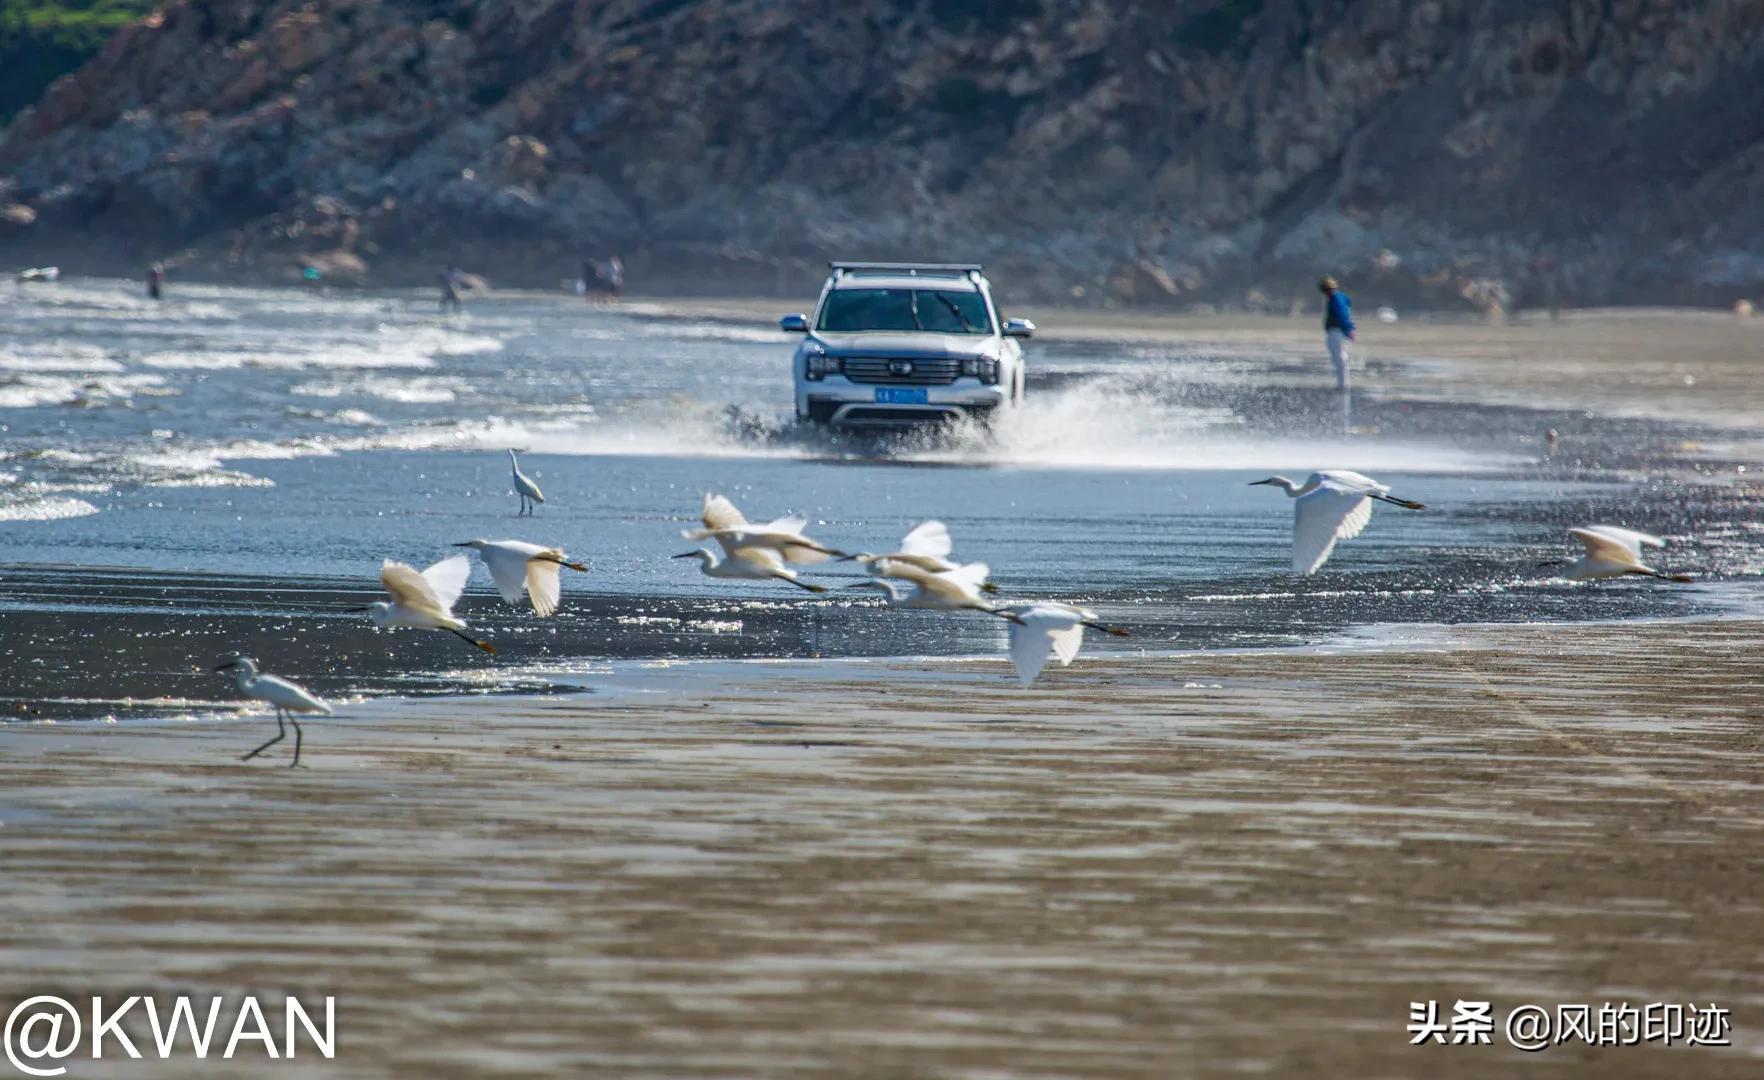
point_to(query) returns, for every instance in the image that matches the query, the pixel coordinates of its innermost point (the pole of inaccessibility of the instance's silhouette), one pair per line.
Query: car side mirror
(1019, 328)
(794, 324)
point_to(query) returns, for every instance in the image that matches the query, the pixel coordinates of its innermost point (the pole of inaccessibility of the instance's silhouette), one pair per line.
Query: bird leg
(463, 636)
(1113, 631)
(1406, 504)
(295, 763)
(810, 586)
(281, 732)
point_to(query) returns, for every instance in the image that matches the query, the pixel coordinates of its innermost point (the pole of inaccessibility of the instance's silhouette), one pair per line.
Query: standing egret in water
(730, 528)
(524, 487)
(1045, 629)
(287, 698)
(948, 590)
(424, 601)
(1332, 505)
(926, 547)
(748, 564)
(1614, 552)
(519, 567)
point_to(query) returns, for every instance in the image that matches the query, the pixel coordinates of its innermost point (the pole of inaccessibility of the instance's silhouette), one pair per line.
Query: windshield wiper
(913, 306)
(967, 327)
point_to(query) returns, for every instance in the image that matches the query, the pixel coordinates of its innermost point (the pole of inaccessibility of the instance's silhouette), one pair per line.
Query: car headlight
(983, 368)
(818, 365)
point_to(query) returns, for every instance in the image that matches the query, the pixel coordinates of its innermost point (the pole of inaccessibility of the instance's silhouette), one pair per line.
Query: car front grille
(879, 370)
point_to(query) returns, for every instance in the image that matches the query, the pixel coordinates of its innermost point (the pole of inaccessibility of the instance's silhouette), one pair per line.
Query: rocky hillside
(1448, 151)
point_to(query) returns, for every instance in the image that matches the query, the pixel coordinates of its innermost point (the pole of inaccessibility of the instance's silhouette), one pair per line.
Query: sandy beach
(1201, 865)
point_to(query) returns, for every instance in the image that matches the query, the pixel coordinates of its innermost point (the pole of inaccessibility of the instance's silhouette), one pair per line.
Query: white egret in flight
(424, 601)
(927, 547)
(730, 528)
(748, 564)
(947, 590)
(524, 487)
(287, 698)
(1332, 505)
(1041, 630)
(1614, 552)
(518, 567)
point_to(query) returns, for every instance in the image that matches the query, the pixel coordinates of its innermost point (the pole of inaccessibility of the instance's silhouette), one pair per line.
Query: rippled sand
(1206, 865)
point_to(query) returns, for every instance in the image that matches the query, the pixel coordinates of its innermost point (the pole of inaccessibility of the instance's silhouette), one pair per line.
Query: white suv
(900, 343)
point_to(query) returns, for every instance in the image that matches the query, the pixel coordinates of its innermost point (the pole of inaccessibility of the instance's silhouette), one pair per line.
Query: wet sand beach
(1218, 864)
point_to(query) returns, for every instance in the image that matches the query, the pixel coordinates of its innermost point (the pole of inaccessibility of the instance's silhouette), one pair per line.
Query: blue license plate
(894, 395)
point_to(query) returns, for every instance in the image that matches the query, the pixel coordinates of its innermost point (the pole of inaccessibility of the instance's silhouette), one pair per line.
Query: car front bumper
(838, 401)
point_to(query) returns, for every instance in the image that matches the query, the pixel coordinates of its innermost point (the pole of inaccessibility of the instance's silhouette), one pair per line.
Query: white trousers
(1340, 351)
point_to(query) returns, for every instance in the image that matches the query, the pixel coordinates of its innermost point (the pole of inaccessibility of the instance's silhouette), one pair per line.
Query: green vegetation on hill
(41, 40)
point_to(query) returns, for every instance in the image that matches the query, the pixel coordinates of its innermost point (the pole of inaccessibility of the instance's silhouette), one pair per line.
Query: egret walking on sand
(286, 697)
(927, 547)
(1614, 552)
(948, 590)
(1332, 505)
(1044, 629)
(748, 564)
(519, 567)
(524, 487)
(730, 528)
(424, 601)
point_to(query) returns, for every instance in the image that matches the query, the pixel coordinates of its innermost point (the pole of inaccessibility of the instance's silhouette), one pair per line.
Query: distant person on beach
(615, 277)
(451, 284)
(1338, 327)
(155, 280)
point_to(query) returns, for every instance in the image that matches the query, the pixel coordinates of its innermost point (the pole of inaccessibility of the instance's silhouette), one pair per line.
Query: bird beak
(466, 543)
(684, 555)
(227, 666)
(359, 610)
(1257, 483)
(867, 585)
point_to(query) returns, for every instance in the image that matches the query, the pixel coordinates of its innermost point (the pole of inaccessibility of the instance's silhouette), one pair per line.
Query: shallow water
(282, 443)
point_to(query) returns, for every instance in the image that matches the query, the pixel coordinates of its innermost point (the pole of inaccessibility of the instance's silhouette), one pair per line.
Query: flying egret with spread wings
(730, 528)
(947, 590)
(1046, 629)
(748, 564)
(286, 697)
(524, 487)
(518, 567)
(424, 601)
(1614, 552)
(1331, 505)
(927, 547)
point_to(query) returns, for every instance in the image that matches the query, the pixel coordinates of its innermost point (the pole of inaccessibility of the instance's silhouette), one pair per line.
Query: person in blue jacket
(1338, 327)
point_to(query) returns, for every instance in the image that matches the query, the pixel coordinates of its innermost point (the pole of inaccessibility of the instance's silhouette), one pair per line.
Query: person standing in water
(155, 280)
(450, 286)
(1338, 327)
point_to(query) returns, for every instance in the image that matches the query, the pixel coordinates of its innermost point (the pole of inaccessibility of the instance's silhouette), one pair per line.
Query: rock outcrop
(1446, 150)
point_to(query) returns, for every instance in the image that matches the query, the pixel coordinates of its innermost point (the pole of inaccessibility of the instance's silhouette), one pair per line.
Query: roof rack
(905, 268)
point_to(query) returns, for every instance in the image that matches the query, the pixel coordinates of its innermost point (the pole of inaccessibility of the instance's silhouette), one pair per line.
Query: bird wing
(720, 513)
(1629, 539)
(543, 586)
(406, 586)
(533, 491)
(278, 691)
(1612, 544)
(507, 563)
(968, 577)
(927, 539)
(447, 579)
(1067, 640)
(1353, 481)
(1320, 519)
(762, 558)
(1031, 645)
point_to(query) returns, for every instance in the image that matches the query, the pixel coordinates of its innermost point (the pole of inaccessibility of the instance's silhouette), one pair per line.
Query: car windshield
(937, 311)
